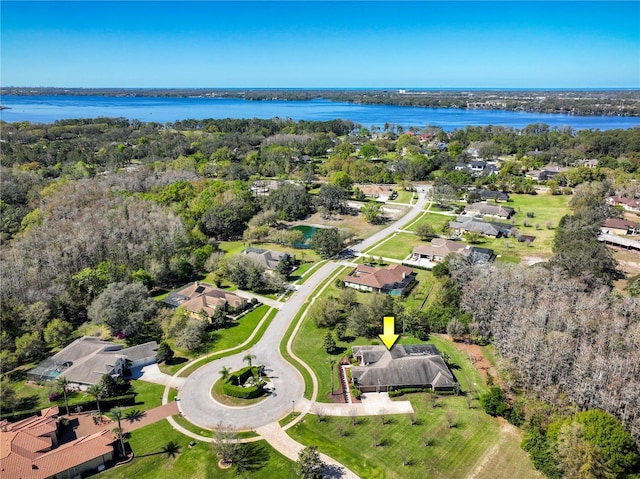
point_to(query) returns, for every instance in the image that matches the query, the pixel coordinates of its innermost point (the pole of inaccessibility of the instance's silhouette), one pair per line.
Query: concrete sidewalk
(286, 446)
(372, 405)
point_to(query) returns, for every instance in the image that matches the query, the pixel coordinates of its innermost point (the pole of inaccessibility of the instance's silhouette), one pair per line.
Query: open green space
(399, 246)
(438, 222)
(148, 395)
(197, 462)
(308, 382)
(34, 396)
(189, 426)
(403, 196)
(401, 453)
(229, 340)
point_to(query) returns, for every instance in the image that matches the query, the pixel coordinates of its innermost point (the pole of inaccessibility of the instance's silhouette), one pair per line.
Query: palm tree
(117, 414)
(63, 382)
(225, 372)
(248, 358)
(171, 449)
(96, 391)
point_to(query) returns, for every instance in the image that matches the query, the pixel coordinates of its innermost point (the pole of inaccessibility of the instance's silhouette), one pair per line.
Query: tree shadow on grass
(251, 457)
(176, 360)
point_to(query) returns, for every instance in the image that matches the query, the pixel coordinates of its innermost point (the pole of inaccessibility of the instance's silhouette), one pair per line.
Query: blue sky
(321, 44)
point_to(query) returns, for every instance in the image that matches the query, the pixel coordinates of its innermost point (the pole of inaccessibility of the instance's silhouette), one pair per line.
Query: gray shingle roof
(403, 366)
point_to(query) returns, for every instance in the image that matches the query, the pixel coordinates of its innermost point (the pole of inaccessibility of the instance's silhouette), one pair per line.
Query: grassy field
(236, 333)
(197, 462)
(399, 246)
(403, 197)
(547, 211)
(283, 344)
(37, 396)
(439, 223)
(452, 452)
(255, 339)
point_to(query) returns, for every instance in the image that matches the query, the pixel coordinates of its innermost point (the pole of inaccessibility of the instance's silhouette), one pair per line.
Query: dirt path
(507, 433)
(478, 359)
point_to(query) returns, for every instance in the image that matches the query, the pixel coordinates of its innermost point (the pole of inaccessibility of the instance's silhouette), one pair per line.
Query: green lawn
(235, 340)
(453, 452)
(197, 462)
(547, 210)
(426, 284)
(403, 197)
(236, 333)
(34, 396)
(439, 223)
(148, 395)
(399, 246)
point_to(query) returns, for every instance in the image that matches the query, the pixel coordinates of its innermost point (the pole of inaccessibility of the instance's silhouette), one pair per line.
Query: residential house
(629, 204)
(404, 366)
(440, 248)
(467, 224)
(485, 209)
(545, 174)
(618, 226)
(487, 195)
(478, 168)
(395, 279)
(87, 359)
(267, 258)
(29, 450)
(380, 192)
(202, 299)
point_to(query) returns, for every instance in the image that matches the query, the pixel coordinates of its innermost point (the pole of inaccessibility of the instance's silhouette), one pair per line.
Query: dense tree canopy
(126, 309)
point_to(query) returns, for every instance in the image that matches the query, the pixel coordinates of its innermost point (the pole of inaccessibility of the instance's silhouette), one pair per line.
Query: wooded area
(99, 212)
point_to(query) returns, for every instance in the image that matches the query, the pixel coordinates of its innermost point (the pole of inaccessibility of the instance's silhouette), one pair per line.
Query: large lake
(47, 109)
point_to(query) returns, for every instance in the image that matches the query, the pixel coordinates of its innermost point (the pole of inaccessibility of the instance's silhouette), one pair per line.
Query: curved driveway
(287, 383)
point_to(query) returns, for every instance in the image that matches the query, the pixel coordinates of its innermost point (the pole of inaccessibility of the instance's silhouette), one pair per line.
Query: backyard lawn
(197, 462)
(35, 396)
(456, 451)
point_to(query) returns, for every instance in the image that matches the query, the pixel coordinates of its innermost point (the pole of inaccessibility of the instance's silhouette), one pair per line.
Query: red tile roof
(620, 224)
(26, 454)
(378, 277)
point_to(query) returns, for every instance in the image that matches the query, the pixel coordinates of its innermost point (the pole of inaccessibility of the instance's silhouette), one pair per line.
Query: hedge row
(230, 387)
(402, 391)
(105, 405)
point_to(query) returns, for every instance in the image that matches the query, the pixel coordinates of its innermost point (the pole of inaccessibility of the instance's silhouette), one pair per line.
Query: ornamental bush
(231, 388)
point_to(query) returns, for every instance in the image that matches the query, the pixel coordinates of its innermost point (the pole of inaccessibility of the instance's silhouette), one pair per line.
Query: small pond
(307, 232)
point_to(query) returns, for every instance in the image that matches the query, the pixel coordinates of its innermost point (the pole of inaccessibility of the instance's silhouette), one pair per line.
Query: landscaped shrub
(105, 405)
(402, 391)
(356, 393)
(231, 388)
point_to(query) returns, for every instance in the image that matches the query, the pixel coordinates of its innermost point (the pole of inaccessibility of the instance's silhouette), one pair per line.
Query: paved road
(287, 383)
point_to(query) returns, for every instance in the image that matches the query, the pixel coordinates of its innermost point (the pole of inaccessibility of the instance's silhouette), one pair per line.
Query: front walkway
(373, 404)
(263, 299)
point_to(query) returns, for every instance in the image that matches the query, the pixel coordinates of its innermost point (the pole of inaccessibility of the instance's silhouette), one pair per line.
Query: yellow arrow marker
(388, 335)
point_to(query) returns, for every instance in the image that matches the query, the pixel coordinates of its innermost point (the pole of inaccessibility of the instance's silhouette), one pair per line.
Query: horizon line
(317, 88)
